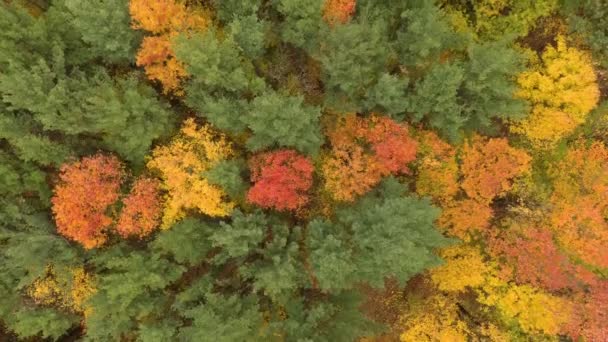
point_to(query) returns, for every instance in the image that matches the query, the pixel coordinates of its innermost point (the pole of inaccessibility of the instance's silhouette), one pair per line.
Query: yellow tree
(181, 165)
(562, 90)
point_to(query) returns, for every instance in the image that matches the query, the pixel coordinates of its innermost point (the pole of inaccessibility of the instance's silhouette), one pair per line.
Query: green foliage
(277, 273)
(218, 318)
(125, 114)
(588, 19)
(302, 26)
(436, 98)
(424, 35)
(335, 319)
(470, 95)
(219, 76)
(249, 33)
(230, 176)
(386, 234)
(361, 46)
(130, 287)
(242, 235)
(43, 322)
(187, 241)
(294, 124)
(104, 26)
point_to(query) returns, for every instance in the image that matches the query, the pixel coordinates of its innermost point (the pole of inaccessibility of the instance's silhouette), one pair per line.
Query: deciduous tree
(562, 89)
(488, 167)
(182, 164)
(142, 209)
(86, 190)
(281, 180)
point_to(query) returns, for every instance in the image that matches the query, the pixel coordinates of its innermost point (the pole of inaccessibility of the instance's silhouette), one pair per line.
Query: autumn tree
(281, 180)
(562, 89)
(490, 19)
(82, 197)
(364, 151)
(165, 20)
(488, 167)
(142, 209)
(338, 11)
(437, 168)
(181, 165)
(580, 203)
(529, 255)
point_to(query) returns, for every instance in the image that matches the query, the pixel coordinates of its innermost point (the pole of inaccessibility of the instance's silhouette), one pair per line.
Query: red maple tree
(281, 180)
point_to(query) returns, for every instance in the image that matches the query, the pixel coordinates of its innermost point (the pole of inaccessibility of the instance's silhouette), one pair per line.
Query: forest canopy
(291, 170)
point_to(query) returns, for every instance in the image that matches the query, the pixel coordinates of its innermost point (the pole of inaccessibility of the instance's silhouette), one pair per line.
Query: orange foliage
(437, 169)
(156, 56)
(142, 209)
(364, 151)
(580, 202)
(463, 217)
(85, 190)
(338, 11)
(488, 165)
(165, 19)
(182, 164)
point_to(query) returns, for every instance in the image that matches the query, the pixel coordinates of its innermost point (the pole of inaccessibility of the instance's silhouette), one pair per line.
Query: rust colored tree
(338, 11)
(281, 180)
(86, 190)
(142, 209)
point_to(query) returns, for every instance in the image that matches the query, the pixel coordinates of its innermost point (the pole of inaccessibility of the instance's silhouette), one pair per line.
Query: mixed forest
(304, 170)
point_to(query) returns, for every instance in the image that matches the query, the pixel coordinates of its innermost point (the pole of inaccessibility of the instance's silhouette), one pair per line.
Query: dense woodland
(304, 170)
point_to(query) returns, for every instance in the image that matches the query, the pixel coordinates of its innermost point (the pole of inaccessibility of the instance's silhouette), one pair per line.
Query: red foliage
(591, 321)
(85, 191)
(363, 151)
(537, 260)
(142, 209)
(282, 179)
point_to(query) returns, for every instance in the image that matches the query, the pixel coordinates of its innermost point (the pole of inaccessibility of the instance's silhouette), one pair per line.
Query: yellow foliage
(536, 312)
(562, 91)
(82, 289)
(46, 290)
(181, 165)
(437, 169)
(439, 321)
(464, 268)
(69, 289)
